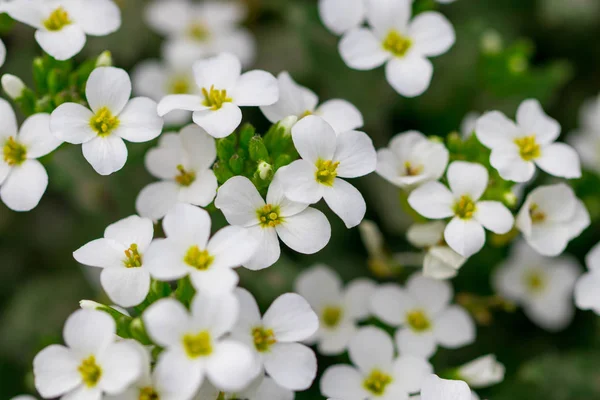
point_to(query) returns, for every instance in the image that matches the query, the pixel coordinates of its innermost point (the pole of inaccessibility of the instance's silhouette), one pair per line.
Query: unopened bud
(104, 59)
(265, 170)
(13, 86)
(510, 198)
(90, 305)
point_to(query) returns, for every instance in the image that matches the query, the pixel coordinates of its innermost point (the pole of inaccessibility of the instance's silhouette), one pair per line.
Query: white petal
(467, 178)
(216, 313)
(202, 191)
(156, 199)
(88, 331)
(340, 16)
(55, 371)
(559, 159)
(510, 164)
(293, 100)
(412, 371)
(62, 44)
(96, 18)
(385, 15)
(390, 303)
(268, 250)
(533, 120)
(103, 253)
(249, 312)
(441, 262)
(231, 247)
(357, 296)
(494, 129)
(221, 71)
(592, 259)
(219, 123)
(300, 183)
(172, 381)
(550, 240)
(165, 321)
(239, 42)
(314, 139)
(587, 291)
(130, 230)
(126, 287)
(342, 115)
(371, 348)
(70, 122)
(231, 367)
(292, 365)
(36, 136)
(432, 34)
(466, 237)
(360, 49)
(346, 201)
(426, 235)
(269, 389)
(150, 78)
(185, 224)
(108, 87)
(276, 196)
(199, 145)
(435, 388)
(410, 76)
(553, 314)
(432, 200)
(105, 154)
(416, 344)
(335, 342)
(343, 382)
(355, 153)
(238, 199)
(139, 122)
(8, 120)
(256, 88)
(494, 216)
(580, 220)
(431, 294)
(215, 281)
(121, 365)
(29, 13)
(320, 286)
(306, 232)
(188, 102)
(24, 187)
(454, 328)
(291, 318)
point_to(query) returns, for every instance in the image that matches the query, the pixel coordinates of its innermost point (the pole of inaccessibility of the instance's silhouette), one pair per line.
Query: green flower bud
(257, 149)
(104, 59)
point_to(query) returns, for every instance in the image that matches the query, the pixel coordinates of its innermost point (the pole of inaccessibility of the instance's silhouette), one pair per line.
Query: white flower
(424, 315)
(183, 163)
(435, 388)
(412, 159)
(542, 285)
(224, 90)
(551, 217)
(518, 148)
(195, 343)
(13, 86)
(469, 124)
(403, 45)
(302, 228)
(482, 372)
(62, 24)
(339, 309)
(92, 364)
(377, 373)
(113, 117)
(586, 140)
(440, 261)
(187, 250)
(327, 157)
(339, 16)
(468, 182)
(120, 254)
(299, 101)
(587, 288)
(262, 388)
(274, 338)
(23, 179)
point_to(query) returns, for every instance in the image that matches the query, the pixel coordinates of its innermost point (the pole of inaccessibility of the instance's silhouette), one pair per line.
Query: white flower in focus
(339, 16)
(586, 139)
(23, 179)
(482, 372)
(542, 285)
(302, 228)
(187, 250)
(224, 90)
(339, 309)
(195, 343)
(91, 364)
(551, 217)
(299, 101)
(423, 313)
(62, 24)
(587, 293)
(262, 388)
(518, 148)
(412, 159)
(377, 373)
(113, 117)
(435, 388)
(403, 45)
(440, 261)
(274, 338)
(120, 254)
(183, 163)
(468, 182)
(327, 157)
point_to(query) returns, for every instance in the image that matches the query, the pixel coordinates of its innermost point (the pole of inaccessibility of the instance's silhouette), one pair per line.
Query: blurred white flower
(424, 316)
(262, 388)
(113, 117)
(23, 179)
(586, 139)
(339, 309)
(299, 101)
(325, 158)
(435, 388)
(13, 86)
(24, 397)
(468, 124)
(273, 338)
(587, 289)
(187, 250)
(468, 182)
(62, 25)
(399, 42)
(518, 148)
(339, 16)
(183, 164)
(302, 228)
(482, 372)
(224, 90)
(542, 285)
(120, 254)
(412, 159)
(92, 363)
(377, 373)
(551, 217)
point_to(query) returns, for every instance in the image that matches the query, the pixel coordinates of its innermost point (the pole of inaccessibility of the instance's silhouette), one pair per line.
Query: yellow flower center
(198, 31)
(90, 371)
(529, 149)
(331, 316)
(376, 382)
(57, 20)
(215, 98)
(199, 345)
(179, 85)
(396, 43)
(14, 152)
(269, 216)
(148, 393)
(412, 170)
(418, 321)
(133, 257)
(465, 207)
(306, 114)
(263, 338)
(535, 281)
(103, 123)
(537, 216)
(199, 259)
(185, 178)
(326, 171)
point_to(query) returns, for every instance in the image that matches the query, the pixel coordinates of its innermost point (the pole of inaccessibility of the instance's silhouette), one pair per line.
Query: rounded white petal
(533, 120)
(390, 303)
(24, 187)
(356, 297)
(222, 72)
(552, 314)
(431, 294)
(256, 88)
(494, 129)
(102, 253)
(150, 78)
(215, 281)
(293, 100)
(320, 286)
(335, 342)
(231, 367)
(510, 164)
(426, 234)
(417, 344)
(454, 328)
(268, 250)
(432, 34)
(466, 237)
(385, 15)
(187, 102)
(306, 232)
(185, 224)
(346, 202)
(340, 16)
(108, 87)
(343, 382)
(217, 313)
(105, 154)
(139, 122)
(412, 371)
(70, 122)
(300, 183)
(238, 199)
(36, 136)
(371, 348)
(276, 196)
(155, 200)
(202, 191)
(291, 318)
(494, 216)
(465, 178)
(126, 287)
(121, 365)
(219, 123)
(55, 371)
(89, 331)
(435, 388)
(587, 291)
(432, 200)
(342, 115)
(131, 230)
(62, 44)
(165, 321)
(231, 247)
(292, 365)
(172, 381)
(592, 259)
(200, 147)
(355, 153)
(96, 18)
(249, 312)
(8, 120)
(409, 76)
(362, 50)
(314, 139)
(559, 159)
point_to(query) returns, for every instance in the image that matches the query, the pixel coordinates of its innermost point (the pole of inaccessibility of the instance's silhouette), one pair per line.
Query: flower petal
(231, 247)
(55, 371)
(494, 216)
(24, 187)
(108, 87)
(432, 200)
(268, 250)
(239, 200)
(155, 200)
(292, 365)
(222, 72)
(346, 201)
(139, 122)
(214, 281)
(8, 120)
(340, 16)
(121, 365)
(219, 123)
(320, 286)
(420, 344)
(36, 136)
(291, 318)
(342, 115)
(413, 371)
(432, 34)
(102, 253)
(494, 129)
(96, 18)
(390, 303)
(386, 15)
(202, 191)
(510, 164)
(89, 331)
(314, 139)
(276, 196)
(355, 153)
(454, 328)
(165, 321)
(200, 147)
(70, 122)
(187, 224)
(105, 154)
(343, 382)
(306, 232)
(371, 348)
(187, 102)
(62, 44)
(435, 388)
(533, 120)
(466, 237)
(467, 178)
(256, 88)
(300, 183)
(431, 294)
(410, 76)
(561, 160)
(126, 287)
(293, 100)
(231, 368)
(356, 297)
(360, 49)
(587, 295)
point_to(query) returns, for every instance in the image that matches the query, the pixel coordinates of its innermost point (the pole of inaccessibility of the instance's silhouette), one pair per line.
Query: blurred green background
(506, 51)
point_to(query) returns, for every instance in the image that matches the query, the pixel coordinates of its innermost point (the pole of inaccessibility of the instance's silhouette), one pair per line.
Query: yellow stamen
(199, 345)
(396, 43)
(199, 259)
(90, 371)
(215, 98)
(179, 85)
(326, 171)
(537, 216)
(103, 123)
(134, 259)
(198, 31)
(412, 170)
(535, 281)
(269, 216)
(14, 152)
(331, 316)
(417, 320)
(263, 338)
(58, 19)
(148, 393)
(465, 207)
(529, 149)
(185, 178)
(377, 381)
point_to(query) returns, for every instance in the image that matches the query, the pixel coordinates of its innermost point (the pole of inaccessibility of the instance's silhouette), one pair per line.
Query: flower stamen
(199, 345)
(148, 393)
(326, 171)
(215, 98)
(263, 338)
(198, 31)
(331, 316)
(537, 216)
(14, 152)
(412, 170)
(465, 207)
(134, 259)
(199, 259)
(269, 216)
(418, 321)
(529, 149)
(103, 123)
(185, 178)
(58, 19)
(90, 371)
(376, 382)
(396, 43)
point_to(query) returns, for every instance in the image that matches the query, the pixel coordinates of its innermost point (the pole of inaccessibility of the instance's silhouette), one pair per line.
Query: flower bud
(13, 86)
(265, 170)
(90, 305)
(482, 372)
(104, 59)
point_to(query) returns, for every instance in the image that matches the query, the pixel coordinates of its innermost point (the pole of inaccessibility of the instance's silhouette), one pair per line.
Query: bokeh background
(506, 51)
